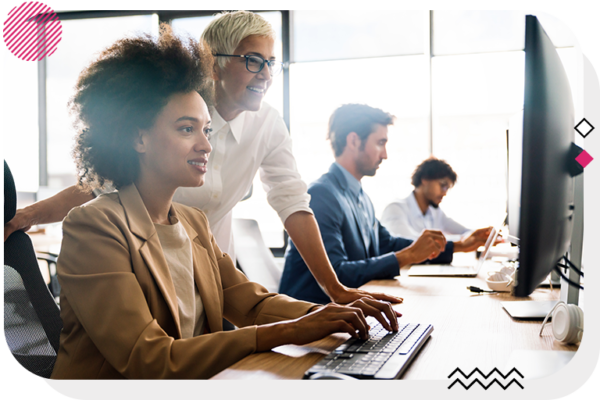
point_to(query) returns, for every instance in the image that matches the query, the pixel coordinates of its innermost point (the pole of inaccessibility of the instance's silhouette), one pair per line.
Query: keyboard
(385, 355)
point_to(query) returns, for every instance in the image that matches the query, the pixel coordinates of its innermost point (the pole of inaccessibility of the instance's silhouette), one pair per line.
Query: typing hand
(473, 241)
(378, 309)
(326, 320)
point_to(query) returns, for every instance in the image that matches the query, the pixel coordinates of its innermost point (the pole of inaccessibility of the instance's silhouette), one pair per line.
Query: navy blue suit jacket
(353, 262)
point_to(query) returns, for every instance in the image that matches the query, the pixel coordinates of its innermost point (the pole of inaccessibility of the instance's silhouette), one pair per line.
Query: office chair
(32, 321)
(51, 260)
(253, 256)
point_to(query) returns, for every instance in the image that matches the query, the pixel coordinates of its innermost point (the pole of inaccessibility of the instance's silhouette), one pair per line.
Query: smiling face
(174, 151)
(238, 89)
(372, 151)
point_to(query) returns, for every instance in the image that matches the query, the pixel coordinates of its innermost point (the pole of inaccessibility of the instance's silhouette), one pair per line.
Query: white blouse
(177, 248)
(250, 142)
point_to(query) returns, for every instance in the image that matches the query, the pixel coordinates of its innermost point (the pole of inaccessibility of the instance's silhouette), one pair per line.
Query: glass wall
(20, 129)
(80, 44)
(478, 71)
(394, 84)
(451, 78)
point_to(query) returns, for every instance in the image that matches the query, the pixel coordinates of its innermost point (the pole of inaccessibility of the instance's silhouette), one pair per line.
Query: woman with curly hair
(144, 284)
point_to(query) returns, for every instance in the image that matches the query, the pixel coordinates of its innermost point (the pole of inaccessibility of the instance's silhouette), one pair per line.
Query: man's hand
(473, 241)
(428, 246)
(345, 295)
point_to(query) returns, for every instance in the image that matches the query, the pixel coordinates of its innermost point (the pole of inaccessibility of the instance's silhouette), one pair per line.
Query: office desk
(470, 331)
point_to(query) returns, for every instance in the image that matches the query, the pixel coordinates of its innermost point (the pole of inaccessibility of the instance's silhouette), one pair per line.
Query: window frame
(167, 16)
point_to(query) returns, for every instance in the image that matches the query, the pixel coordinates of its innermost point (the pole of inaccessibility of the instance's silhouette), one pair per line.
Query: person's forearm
(459, 246)
(405, 257)
(273, 335)
(56, 208)
(304, 231)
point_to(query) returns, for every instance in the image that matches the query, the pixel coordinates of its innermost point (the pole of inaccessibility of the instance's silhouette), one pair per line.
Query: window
(79, 46)
(476, 84)
(318, 88)
(478, 72)
(452, 96)
(335, 35)
(473, 98)
(20, 123)
(461, 32)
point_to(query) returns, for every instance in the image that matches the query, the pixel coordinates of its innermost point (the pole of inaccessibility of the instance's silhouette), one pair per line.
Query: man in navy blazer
(359, 247)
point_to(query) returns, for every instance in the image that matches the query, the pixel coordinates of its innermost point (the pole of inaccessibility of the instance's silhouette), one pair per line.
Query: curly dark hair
(433, 168)
(358, 118)
(124, 90)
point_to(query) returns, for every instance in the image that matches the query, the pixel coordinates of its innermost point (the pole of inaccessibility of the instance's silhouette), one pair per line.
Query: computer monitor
(541, 197)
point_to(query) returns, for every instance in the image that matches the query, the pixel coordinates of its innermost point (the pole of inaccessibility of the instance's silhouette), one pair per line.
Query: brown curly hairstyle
(433, 168)
(124, 90)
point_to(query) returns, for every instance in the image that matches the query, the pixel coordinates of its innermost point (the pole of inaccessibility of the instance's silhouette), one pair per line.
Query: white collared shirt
(240, 147)
(404, 218)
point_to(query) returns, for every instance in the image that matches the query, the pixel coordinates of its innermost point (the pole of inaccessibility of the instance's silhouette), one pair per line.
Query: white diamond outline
(590, 126)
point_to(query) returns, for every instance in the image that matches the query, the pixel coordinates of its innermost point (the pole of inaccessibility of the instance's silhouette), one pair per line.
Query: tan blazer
(118, 302)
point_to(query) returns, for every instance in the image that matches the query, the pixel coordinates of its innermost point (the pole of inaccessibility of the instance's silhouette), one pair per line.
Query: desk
(470, 331)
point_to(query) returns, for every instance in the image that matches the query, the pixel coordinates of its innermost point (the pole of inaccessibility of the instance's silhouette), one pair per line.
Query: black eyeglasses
(255, 64)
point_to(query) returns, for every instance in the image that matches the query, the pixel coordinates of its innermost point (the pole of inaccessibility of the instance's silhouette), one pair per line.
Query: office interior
(453, 79)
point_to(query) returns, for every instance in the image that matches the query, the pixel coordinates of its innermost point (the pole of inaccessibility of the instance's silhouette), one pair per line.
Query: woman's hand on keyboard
(378, 309)
(322, 322)
(326, 320)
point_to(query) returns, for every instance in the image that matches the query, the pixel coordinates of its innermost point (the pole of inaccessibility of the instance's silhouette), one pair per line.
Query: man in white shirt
(421, 209)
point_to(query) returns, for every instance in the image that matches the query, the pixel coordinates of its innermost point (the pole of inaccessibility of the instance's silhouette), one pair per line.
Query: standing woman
(144, 285)
(249, 135)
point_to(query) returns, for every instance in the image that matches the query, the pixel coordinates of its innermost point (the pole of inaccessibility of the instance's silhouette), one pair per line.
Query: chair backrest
(32, 321)
(10, 195)
(254, 257)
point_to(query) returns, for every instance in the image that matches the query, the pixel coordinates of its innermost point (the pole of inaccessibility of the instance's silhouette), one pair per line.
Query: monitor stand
(528, 309)
(552, 281)
(568, 293)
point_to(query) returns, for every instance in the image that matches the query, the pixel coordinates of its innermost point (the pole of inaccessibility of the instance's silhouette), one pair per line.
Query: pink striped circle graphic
(32, 31)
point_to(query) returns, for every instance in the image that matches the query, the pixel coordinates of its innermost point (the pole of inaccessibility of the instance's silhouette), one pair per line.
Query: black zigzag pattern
(458, 370)
(484, 386)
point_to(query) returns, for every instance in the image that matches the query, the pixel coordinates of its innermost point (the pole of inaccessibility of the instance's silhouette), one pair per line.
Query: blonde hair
(228, 29)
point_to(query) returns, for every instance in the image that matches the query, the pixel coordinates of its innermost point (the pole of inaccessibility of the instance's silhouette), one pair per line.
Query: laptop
(452, 270)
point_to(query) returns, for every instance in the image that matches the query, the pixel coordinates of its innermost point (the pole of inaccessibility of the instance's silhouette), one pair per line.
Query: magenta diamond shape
(584, 159)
